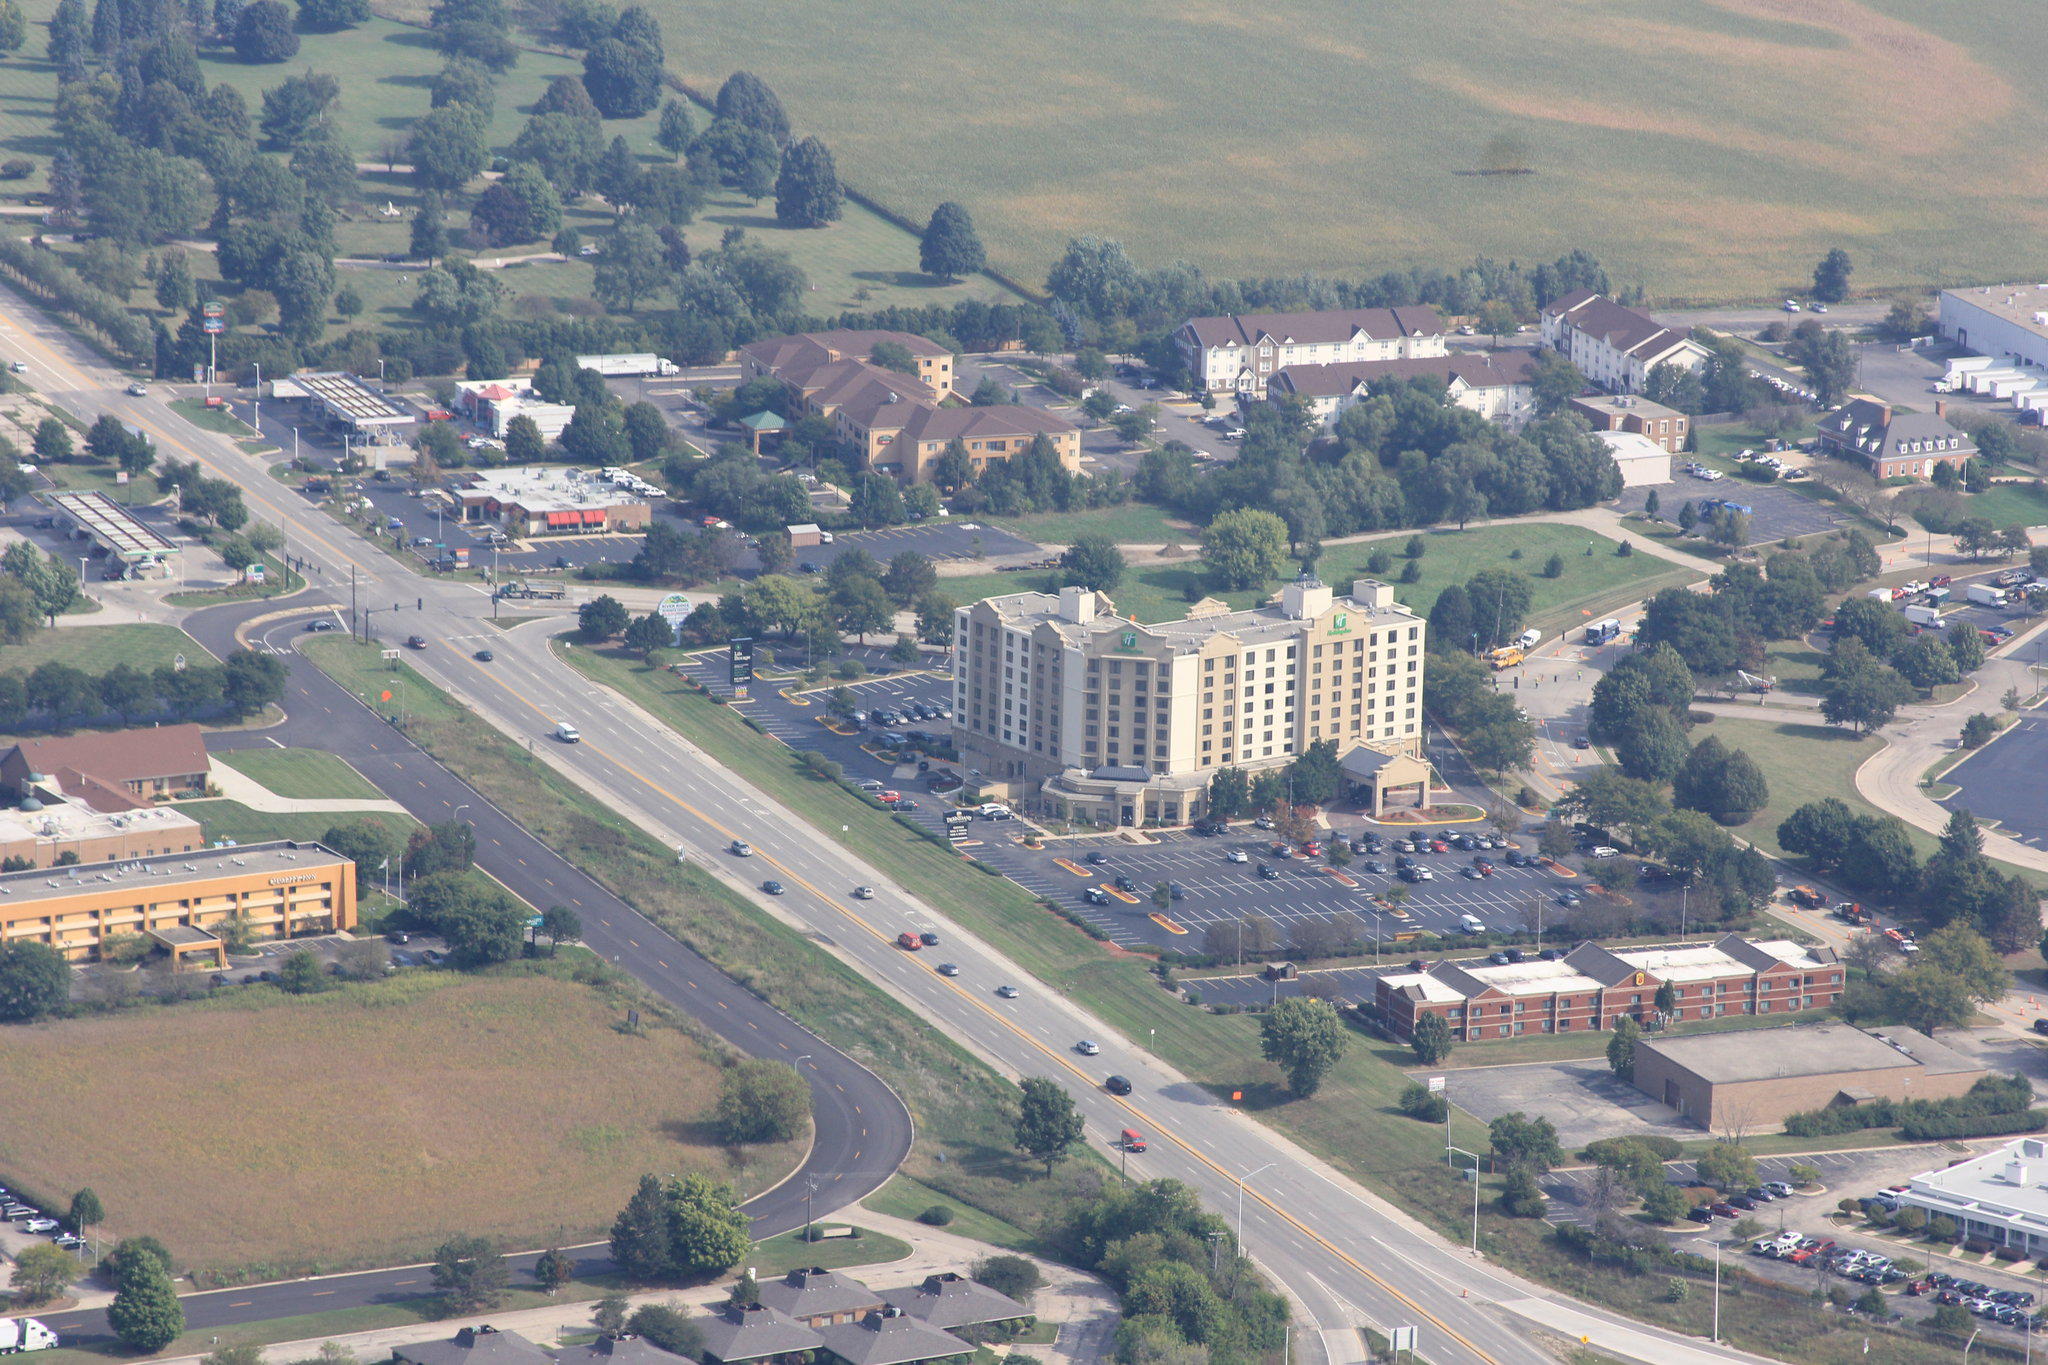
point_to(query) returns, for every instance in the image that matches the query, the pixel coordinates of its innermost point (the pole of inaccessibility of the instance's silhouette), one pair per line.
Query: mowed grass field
(386, 71)
(95, 649)
(365, 1124)
(1704, 148)
(1589, 585)
(302, 774)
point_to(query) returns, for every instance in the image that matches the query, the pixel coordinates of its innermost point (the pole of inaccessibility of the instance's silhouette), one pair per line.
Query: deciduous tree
(760, 1100)
(1048, 1123)
(1304, 1038)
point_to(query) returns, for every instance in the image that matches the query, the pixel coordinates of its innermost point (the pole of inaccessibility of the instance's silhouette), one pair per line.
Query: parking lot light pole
(1240, 1201)
(1717, 1286)
(1968, 1344)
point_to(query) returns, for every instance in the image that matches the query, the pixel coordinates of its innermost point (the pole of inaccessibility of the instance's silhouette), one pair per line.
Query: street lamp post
(1475, 1190)
(1968, 1344)
(1717, 1286)
(1240, 1200)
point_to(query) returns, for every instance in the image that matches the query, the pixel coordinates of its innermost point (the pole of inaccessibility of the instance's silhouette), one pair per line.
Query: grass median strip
(962, 1108)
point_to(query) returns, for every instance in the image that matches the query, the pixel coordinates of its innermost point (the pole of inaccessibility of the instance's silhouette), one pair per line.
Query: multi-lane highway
(1348, 1257)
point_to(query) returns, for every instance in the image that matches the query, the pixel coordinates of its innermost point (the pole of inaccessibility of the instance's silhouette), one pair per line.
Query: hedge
(1938, 1127)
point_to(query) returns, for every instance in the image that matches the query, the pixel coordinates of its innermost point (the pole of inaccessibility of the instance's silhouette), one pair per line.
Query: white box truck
(1924, 616)
(1984, 595)
(1528, 639)
(642, 364)
(24, 1334)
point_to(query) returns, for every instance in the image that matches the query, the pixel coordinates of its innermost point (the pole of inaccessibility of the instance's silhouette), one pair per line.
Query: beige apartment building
(1063, 704)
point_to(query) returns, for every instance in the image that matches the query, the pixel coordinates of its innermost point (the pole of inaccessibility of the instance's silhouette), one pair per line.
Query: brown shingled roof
(1478, 371)
(1001, 419)
(1333, 324)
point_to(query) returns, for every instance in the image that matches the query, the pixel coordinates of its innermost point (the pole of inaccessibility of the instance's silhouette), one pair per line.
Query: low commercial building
(1496, 386)
(1242, 352)
(618, 1351)
(2001, 1196)
(109, 770)
(1592, 986)
(1892, 443)
(1754, 1081)
(277, 890)
(1640, 459)
(2007, 321)
(1061, 702)
(1614, 346)
(949, 1300)
(529, 501)
(139, 549)
(888, 1337)
(1668, 427)
(817, 1297)
(493, 403)
(38, 834)
(473, 1346)
(749, 1332)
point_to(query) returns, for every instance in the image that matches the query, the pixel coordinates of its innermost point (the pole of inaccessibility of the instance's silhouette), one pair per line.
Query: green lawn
(1134, 523)
(222, 819)
(782, 1254)
(302, 774)
(905, 1197)
(95, 649)
(1700, 174)
(1588, 586)
(2008, 504)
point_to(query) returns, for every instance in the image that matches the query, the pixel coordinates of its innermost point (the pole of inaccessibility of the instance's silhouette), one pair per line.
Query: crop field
(1705, 148)
(365, 1124)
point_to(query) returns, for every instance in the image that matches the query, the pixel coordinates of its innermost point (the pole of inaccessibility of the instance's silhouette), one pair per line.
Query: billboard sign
(739, 661)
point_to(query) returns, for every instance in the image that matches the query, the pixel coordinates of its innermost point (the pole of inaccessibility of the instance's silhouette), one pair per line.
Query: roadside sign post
(1401, 1339)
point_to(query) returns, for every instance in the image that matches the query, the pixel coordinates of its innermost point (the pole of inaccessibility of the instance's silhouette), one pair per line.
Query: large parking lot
(937, 541)
(2001, 782)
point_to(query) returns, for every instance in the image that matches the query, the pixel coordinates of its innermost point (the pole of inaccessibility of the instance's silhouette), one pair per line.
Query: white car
(1710, 475)
(1791, 305)
(863, 893)
(1237, 855)
(40, 1225)
(1088, 1047)
(138, 390)
(740, 848)
(1603, 851)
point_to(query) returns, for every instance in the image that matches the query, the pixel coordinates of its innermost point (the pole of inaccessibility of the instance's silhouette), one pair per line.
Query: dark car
(929, 939)
(1268, 873)
(773, 888)
(1096, 859)
(1117, 1085)
(2041, 1026)
(484, 656)
(806, 566)
(1125, 884)
(1175, 891)
(1374, 865)
(1701, 1214)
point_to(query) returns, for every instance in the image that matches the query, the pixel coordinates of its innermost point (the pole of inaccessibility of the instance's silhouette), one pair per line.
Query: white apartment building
(1613, 346)
(1241, 352)
(1060, 702)
(1496, 386)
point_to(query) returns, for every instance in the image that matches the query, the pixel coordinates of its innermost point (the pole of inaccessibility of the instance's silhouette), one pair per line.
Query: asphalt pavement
(1347, 1256)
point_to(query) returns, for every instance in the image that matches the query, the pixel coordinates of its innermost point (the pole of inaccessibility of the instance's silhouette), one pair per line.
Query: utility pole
(351, 601)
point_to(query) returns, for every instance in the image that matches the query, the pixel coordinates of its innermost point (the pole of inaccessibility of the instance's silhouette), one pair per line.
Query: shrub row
(1936, 1127)
(49, 281)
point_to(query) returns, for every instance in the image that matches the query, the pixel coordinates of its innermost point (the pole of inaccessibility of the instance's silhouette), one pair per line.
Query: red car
(1439, 846)
(908, 942)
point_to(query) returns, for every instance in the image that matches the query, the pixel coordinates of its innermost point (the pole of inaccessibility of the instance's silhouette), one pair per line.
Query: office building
(110, 770)
(1667, 427)
(1062, 703)
(2001, 1196)
(552, 502)
(1592, 986)
(182, 900)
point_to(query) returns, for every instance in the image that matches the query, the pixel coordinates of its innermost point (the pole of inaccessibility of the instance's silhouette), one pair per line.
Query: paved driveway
(1778, 511)
(1584, 1099)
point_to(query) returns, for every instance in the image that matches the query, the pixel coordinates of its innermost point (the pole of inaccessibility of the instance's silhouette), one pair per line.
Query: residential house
(1613, 346)
(1241, 352)
(1668, 427)
(619, 1351)
(1889, 442)
(1495, 386)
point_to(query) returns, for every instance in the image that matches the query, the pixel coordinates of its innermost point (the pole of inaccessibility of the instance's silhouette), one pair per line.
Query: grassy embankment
(964, 1139)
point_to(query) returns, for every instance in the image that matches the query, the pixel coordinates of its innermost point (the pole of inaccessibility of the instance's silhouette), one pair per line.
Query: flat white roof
(1433, 991)
(550, 490)
(345, 398)
(2007, 1185)
(66, 820)
(111, 524)
(1632, 445)
(1535, 977)
(2022, 305)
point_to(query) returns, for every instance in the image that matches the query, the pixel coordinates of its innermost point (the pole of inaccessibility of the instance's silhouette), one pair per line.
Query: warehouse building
(2006, 321)
(1751, 1081)
(2001, 1196)
(1642, 462)
(279, 890)
(1062, 702)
